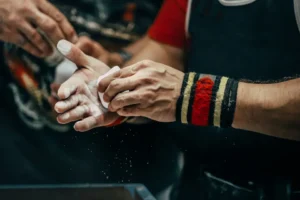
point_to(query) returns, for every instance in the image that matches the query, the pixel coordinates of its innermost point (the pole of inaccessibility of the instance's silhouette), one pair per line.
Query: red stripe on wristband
(202, 102)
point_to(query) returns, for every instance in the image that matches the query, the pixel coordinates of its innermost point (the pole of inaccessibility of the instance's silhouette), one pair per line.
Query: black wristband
(124, 55)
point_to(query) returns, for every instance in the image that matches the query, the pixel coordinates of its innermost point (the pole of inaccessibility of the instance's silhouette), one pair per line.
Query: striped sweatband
(207, 100)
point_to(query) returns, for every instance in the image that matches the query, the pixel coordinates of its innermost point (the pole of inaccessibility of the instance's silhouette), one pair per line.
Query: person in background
(236, 107)
(21, 19)
(35, 149)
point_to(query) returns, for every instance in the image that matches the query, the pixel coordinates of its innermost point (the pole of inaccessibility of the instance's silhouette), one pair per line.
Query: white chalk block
(111, 71)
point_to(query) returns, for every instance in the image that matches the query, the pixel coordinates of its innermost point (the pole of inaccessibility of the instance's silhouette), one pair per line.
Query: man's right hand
(19, 20)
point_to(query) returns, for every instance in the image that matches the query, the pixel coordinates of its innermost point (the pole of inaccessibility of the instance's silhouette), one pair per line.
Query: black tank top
(259, 41)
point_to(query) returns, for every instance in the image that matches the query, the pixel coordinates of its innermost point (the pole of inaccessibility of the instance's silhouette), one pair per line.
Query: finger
(123, 100)
(74, 54)
(67, 88)
(48, 26)
(63, 24)
(54, 87)
(85, 45)
(73, 115)
(52, 101)
(143, 98)
(123, 73)
(68, 104)
(90, 47)
(22, 42)
(35, 38)
(119, 85)
(17, 38)
(132, 111)
(93, 122)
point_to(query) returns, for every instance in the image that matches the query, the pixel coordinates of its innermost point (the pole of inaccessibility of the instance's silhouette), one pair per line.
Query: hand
(78, 96)
(94, 49)
(19, 20)
(89, 47)
(153, 90)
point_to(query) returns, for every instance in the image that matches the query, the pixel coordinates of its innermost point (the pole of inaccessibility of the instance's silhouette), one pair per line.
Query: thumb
(74, 54)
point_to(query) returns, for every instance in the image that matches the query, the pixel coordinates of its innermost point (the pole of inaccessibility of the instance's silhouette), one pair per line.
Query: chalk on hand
(111, 71)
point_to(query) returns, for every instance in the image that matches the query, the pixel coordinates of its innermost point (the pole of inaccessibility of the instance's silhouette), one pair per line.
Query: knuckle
(13, 19)
(74, 98)
(146, 80)
(146, 63)
(51, 26)
(119, 101)
(27, 7)
(70, 32)
(115, 84)
(139, 97)
(149, 95)
(59, 17)
(35, 36)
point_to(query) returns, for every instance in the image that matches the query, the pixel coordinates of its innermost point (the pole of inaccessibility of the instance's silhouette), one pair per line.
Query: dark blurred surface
(77, 192)
(126, 154)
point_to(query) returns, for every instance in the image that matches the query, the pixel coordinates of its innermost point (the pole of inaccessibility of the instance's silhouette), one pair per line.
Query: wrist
(207, 100)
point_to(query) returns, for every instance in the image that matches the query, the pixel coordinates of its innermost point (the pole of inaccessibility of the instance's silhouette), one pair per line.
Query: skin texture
(165, 54)
(96, 50)
(88, 47)
(79, 96)
(271, 109)
(153, 90)
(21, 19)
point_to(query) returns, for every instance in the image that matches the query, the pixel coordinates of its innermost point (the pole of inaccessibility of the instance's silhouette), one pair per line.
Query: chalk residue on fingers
(65, 48)
(69, 91)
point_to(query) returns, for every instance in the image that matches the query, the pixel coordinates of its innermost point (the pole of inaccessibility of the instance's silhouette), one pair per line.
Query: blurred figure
(21, 19)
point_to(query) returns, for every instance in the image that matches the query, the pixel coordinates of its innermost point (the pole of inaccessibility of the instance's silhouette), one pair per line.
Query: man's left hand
(78, 96)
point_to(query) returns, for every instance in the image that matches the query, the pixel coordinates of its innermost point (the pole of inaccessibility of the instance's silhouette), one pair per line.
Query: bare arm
(272, 109)
(158, 52)
(145, 48)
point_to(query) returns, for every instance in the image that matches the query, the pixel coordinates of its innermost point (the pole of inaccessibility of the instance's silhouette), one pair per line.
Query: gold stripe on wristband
(186, 98)
(218, 101)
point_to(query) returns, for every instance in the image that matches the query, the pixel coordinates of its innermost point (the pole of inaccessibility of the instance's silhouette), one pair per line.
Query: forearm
(158, 52)
(271, 109)
(137, 46)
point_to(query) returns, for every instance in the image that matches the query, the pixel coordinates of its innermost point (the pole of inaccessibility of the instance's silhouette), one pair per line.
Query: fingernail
(67, 92)
(64, 47)
(59, 107)
(65, 116)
